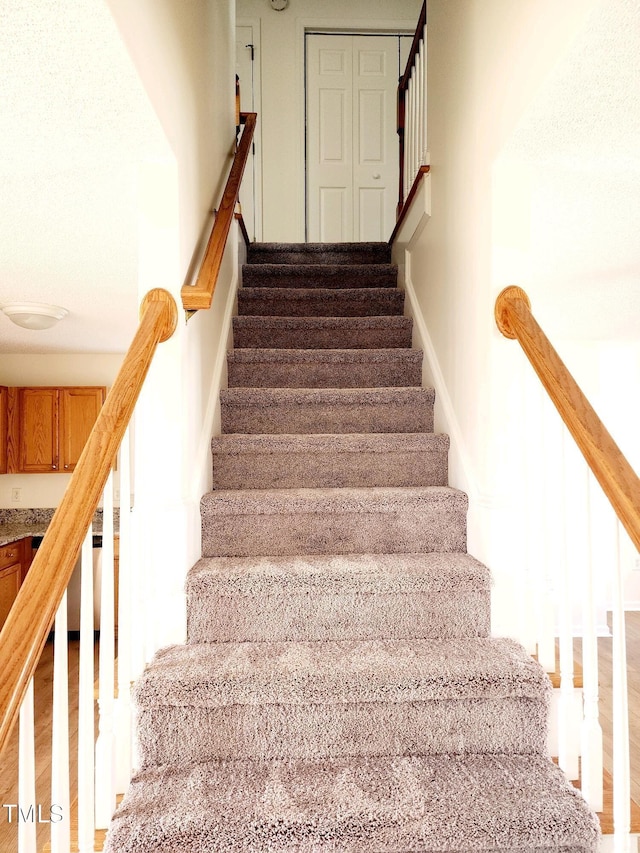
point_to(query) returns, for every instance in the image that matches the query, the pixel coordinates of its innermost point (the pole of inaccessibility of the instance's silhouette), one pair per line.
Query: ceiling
(74, 124)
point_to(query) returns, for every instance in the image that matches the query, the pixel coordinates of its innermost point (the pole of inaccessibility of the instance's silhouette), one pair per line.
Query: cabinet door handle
(66, 466)
(54, 467)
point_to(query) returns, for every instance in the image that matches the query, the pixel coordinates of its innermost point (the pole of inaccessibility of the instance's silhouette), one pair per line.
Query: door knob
(376, 177)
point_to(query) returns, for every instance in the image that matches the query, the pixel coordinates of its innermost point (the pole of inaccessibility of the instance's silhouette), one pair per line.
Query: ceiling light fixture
(34, 315)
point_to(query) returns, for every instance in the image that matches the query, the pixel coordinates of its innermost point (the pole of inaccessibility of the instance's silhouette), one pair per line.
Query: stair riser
(290, 302)
(312, 731)
(335, 277)
(287, 470)
(320, 338)
(281, 418)
(335, 615)
(401, 373)
(431, 527)
(309, 254)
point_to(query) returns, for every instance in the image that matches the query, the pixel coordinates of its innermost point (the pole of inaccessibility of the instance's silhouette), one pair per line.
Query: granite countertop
(19, 523)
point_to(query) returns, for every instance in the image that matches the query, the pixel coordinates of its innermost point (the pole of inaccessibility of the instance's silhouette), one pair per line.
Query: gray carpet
(339, 690)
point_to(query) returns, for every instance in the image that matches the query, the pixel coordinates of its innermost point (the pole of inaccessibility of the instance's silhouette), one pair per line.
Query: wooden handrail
(401, 105)
(619, 481)
(199, 296)
(31, 617)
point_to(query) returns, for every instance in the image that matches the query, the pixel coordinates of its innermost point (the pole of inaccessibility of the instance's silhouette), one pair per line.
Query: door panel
(376, 168)
(352, 157)
(329, 138)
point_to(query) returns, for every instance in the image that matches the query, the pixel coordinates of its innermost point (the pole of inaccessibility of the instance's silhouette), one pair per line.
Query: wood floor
(44, 688)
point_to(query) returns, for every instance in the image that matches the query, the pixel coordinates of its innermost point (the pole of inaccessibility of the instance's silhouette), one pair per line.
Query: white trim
(218, 377)
(412, 309)
(255, 24)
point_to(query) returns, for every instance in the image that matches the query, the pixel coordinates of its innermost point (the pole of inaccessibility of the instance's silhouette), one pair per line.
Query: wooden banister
(415, 46)
(619, 481)
(30, 619)
(199, 296)
(401, 105)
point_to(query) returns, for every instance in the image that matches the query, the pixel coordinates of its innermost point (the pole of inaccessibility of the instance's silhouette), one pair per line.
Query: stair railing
(412, 114)
(199, 295)
(41, 605)
(621, 486)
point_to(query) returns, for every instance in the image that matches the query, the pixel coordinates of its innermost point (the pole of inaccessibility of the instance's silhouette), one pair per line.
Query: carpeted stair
(339, 690)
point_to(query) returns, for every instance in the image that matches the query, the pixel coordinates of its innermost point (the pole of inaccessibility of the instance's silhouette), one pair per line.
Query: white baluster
(409, 131)
(60, 796)
(419, 108)
(105, 745)
(86, 730)
(27, 806)
(621, 768)
(591, 732)
(567, 753)
(122, 718)
(423, 51)
(422, 103)
(547, 519)
(414, 125)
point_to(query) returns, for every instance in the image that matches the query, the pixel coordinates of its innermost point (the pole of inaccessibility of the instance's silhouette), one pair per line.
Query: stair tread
(365, 573)
(492, 804)
(210, 675)
(305, 332)
(345, 253)
(320, 301)
(357, 442)
(322, 396)
(249, 355)
(380, 499)
(328, 275)
(274, 321)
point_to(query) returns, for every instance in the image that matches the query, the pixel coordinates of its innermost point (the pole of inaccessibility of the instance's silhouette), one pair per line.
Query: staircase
(339, 690)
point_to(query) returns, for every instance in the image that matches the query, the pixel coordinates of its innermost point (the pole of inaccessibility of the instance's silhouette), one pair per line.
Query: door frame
(323, 26)
(254, 23)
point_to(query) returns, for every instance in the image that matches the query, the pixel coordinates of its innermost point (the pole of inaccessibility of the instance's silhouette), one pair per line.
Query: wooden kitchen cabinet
(52, 426)
(37, 430)
(4, 428)
(14, 564)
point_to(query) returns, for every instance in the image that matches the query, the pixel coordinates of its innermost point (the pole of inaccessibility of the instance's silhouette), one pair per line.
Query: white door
(352, 142)
(246, 68)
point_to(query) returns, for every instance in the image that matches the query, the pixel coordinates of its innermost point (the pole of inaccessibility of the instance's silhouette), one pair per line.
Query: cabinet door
(9, 586)
(79, 408)
(4, 429)
(38, 441)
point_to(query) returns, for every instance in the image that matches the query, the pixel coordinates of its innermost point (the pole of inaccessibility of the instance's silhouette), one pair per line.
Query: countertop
(19, 523)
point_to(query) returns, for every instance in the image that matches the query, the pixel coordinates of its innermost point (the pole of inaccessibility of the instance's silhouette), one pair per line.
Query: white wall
(184, 53)
(282, 75)
(46, 490)
(490, 62)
